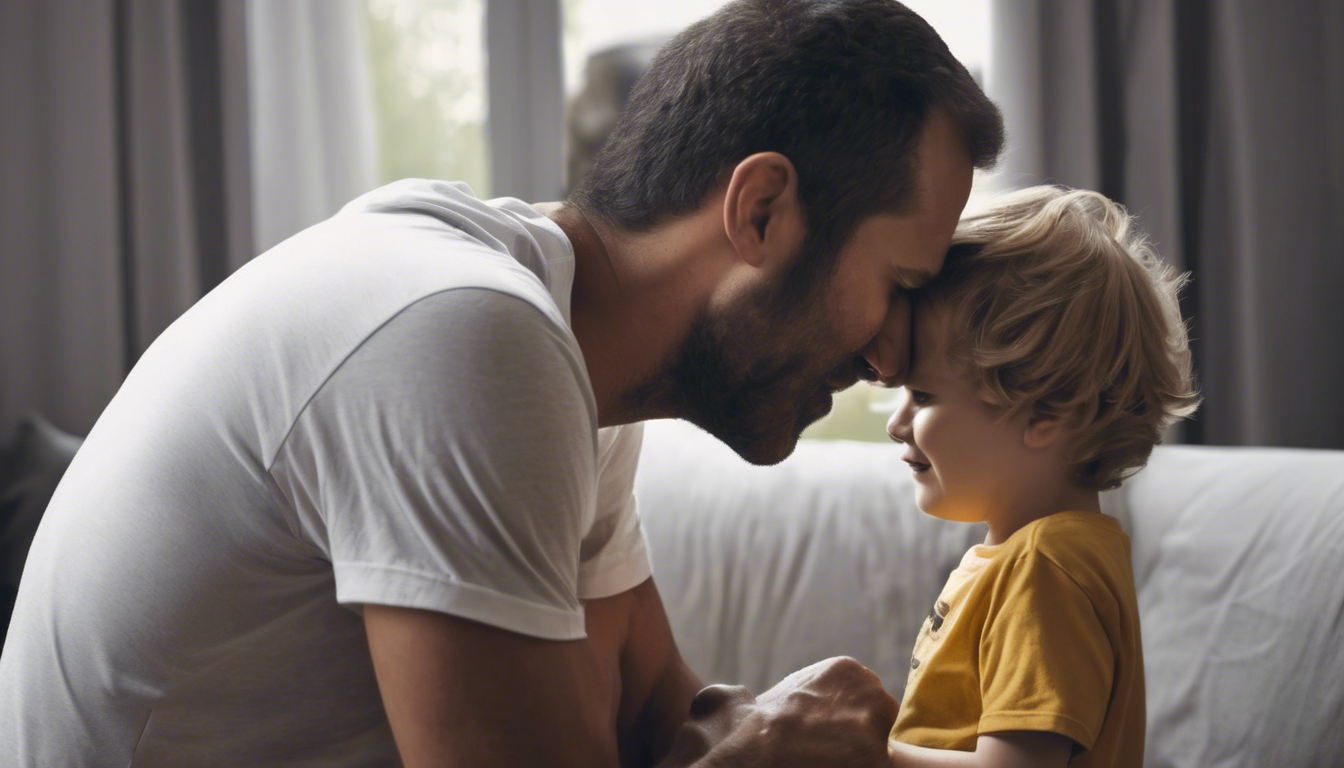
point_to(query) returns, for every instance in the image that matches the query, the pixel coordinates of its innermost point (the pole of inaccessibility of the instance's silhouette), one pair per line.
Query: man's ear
(1043, 431)
(761, 213)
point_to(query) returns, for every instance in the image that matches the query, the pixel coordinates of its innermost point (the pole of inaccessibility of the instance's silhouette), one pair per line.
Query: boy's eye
(919, 398)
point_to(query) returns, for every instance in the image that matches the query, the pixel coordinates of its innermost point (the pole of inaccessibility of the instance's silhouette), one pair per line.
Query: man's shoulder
(505, 225)
(439, 235)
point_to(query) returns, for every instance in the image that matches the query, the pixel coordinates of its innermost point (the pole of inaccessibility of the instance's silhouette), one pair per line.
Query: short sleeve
(449, 463)
(614, 556)
(1046, 661)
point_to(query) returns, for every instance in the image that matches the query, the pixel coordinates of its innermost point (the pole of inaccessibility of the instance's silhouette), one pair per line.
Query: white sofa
(1238, 555)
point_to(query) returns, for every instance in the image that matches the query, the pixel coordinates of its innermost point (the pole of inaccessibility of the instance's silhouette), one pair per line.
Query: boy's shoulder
(1089, 546)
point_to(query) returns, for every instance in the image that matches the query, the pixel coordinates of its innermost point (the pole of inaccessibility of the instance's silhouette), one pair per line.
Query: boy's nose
(898, 426)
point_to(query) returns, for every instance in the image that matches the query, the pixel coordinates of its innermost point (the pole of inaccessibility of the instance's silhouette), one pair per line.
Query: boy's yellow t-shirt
(1038, 633)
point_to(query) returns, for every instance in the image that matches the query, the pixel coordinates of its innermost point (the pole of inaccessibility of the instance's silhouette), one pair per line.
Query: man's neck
(632, 303)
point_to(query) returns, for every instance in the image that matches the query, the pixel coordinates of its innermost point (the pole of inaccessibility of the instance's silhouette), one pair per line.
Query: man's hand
(834, 712)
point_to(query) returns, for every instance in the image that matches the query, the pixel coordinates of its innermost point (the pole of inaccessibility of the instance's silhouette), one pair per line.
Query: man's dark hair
(840, 87)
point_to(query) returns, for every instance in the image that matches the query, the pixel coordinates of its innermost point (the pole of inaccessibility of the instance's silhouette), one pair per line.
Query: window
(594, 25)
(427, 60)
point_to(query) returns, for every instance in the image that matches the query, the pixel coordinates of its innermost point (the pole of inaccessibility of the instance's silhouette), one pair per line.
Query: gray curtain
(526, 95)
(124, 187)
(1221, 124)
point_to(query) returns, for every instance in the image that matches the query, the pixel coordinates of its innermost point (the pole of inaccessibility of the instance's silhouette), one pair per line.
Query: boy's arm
(1008, 749)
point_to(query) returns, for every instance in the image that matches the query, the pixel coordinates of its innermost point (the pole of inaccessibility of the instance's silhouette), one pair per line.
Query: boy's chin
(935, 505)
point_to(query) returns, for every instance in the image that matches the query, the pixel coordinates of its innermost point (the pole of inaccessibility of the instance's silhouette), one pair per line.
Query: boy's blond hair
(1059, 306)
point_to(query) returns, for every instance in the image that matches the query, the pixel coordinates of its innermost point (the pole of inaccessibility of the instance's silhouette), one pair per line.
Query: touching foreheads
(840, 87)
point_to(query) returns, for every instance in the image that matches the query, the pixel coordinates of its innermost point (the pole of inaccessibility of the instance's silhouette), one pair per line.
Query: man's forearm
(834, 712)
(656, 684)
(668, 705)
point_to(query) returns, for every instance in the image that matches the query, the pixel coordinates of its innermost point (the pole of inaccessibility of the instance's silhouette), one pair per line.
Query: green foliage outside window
(859, 413)
(426, 62)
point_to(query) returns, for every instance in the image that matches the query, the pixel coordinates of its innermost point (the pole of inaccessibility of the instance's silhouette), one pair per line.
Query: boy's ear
(1043, 431)
(761, 213)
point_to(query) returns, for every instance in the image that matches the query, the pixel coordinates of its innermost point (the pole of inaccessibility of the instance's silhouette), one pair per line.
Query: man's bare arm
(458, 692)
(657, 686)
(454, 687)
(834, 712)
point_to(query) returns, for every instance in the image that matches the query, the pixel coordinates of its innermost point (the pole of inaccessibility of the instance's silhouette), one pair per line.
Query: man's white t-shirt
(389, 408)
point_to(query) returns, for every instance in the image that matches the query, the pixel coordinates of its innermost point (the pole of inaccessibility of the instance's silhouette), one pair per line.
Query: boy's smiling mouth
(917, 466)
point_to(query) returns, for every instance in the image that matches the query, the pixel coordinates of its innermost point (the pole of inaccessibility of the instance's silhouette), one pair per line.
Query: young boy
(1049, 356)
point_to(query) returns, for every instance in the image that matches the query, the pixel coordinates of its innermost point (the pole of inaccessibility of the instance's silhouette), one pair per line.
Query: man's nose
(888, 354)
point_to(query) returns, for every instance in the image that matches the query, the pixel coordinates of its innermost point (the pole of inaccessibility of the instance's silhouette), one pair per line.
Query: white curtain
(314, 146)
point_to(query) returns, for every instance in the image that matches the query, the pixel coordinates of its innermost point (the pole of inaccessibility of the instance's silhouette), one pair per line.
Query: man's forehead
(919, 241)
(945, 176)
(912, 246)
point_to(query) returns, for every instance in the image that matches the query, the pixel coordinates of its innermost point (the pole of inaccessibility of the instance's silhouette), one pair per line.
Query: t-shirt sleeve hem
(615, 577)
(1049, 722)
(367, 583)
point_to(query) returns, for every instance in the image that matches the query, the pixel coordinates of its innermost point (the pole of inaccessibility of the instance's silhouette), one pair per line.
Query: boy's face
(967, 459)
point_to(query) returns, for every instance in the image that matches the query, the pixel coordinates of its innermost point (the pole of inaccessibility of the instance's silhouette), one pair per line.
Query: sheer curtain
(312, 119)
(1222, 126)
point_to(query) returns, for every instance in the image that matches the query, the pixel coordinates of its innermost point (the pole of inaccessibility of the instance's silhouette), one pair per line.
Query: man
(370, 500)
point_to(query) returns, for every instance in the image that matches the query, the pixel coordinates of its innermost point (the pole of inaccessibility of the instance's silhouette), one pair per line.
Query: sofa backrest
(1239, 562)
(1238, 555)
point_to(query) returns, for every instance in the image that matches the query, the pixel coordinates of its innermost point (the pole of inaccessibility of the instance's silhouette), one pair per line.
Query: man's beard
(755, 374)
